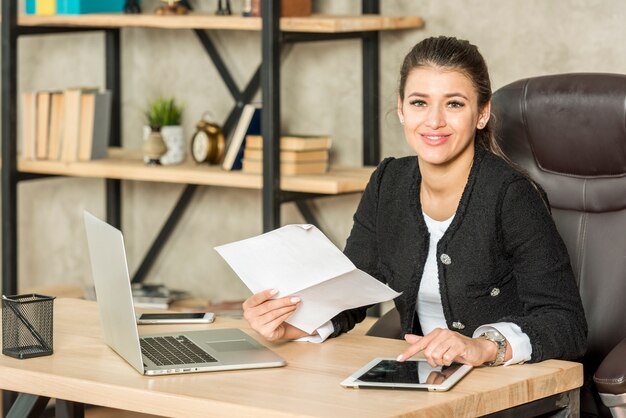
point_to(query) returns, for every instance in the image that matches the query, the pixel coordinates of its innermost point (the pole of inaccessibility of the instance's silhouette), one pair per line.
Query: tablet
(410, 374)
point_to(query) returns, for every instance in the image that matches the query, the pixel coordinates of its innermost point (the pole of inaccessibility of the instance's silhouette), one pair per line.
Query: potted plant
(164, 116)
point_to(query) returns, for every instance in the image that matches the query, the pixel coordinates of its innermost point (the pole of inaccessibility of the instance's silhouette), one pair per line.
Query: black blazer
(501, 259)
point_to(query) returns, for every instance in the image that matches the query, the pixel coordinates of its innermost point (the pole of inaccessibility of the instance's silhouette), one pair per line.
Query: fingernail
(273, 292)
(399, 358)
(295, 300)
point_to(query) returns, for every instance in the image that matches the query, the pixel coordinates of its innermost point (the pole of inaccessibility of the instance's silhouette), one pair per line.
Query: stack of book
(298, 154)
(147, 295)
(71, 125)
(72, 7)
(155, 295)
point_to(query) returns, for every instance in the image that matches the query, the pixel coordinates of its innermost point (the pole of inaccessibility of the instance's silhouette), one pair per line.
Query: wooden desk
(83, 369)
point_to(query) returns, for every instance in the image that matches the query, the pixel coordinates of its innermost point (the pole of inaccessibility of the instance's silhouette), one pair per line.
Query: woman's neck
(442, 186)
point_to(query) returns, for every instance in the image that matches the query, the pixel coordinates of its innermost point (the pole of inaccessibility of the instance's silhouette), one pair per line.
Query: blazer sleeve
(362, 247)
(553, 315)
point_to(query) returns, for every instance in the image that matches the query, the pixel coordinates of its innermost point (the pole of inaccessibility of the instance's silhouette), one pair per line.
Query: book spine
(249, 123)
(71, 125)
(101, 126)
(85, 138)
(42, 125)
(75, 7)
(56, 126)
(28, 133)
(293, 143)
(45, 7)
(30, 7)
(316, 167)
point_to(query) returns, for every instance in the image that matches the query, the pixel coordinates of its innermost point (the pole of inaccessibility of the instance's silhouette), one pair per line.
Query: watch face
(200, 146)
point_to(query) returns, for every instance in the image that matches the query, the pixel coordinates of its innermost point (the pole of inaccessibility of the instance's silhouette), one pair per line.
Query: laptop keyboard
(167, 351)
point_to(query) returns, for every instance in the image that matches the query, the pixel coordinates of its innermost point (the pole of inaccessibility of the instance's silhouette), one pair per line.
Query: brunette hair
(459, 55)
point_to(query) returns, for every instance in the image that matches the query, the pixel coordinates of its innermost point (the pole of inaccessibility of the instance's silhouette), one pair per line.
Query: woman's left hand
(442, 347)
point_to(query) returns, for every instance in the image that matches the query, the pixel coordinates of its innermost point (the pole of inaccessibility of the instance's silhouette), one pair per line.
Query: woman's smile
(435, 139)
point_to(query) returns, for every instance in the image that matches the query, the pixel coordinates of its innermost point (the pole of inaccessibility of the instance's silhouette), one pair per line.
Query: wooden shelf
(312, 24)
(128, 165)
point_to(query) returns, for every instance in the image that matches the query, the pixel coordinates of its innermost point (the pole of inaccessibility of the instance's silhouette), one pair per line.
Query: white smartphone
(175, 318)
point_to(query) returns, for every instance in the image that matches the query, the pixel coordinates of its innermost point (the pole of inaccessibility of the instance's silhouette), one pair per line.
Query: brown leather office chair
(569, 133)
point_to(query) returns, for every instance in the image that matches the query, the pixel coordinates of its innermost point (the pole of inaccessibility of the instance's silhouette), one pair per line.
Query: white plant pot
(175, 141)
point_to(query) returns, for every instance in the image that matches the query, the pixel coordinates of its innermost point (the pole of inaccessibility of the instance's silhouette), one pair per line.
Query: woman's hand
(267, 316)
(442, 347)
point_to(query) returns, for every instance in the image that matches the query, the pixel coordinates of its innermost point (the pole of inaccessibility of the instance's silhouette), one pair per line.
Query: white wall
(320, 93)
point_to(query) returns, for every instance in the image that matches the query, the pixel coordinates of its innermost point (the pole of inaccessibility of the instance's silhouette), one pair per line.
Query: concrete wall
(320, 93)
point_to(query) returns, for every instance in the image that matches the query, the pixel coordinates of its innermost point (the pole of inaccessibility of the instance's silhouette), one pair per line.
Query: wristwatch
(500, 341)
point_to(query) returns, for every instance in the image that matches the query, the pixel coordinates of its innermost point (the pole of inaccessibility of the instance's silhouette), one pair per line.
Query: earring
(481, 125)
(401, 120)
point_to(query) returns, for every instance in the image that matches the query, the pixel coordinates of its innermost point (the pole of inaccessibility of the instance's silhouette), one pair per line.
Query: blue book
(30, 7)
(249, 124)
(77, 7)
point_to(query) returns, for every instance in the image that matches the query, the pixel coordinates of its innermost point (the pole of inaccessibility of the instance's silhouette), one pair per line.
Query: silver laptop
(179, 352)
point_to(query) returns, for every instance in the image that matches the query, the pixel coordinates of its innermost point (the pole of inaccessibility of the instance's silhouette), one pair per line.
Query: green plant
(164, 112)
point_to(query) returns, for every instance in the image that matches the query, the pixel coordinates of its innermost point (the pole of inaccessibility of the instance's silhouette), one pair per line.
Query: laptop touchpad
(234, 345)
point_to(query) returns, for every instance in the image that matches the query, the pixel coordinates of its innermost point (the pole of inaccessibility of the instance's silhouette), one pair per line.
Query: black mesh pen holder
(27, 325)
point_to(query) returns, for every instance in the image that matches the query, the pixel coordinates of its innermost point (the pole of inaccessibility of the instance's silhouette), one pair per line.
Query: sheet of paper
(323, 301)
(300, 260)
(290, 259)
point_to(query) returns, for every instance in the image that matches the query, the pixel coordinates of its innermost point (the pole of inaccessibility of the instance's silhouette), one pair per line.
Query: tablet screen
(408, 372)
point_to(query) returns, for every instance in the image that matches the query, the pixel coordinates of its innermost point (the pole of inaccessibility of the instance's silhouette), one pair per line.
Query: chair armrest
(387, 326)
(611, 375)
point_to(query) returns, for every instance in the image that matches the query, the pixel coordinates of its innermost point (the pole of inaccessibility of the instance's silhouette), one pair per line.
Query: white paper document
(299, 260)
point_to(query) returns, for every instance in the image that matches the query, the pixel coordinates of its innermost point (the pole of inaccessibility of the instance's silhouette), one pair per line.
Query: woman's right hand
(267, 316)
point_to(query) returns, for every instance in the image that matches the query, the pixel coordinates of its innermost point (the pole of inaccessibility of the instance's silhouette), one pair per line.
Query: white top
(429, 307)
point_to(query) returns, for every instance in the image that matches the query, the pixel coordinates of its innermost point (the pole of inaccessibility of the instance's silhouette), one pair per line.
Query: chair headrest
(571, 125)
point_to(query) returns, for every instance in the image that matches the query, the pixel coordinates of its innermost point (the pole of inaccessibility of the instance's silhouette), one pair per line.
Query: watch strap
(501, 344)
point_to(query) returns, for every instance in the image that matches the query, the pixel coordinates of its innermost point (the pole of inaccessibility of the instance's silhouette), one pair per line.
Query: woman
(468, 239)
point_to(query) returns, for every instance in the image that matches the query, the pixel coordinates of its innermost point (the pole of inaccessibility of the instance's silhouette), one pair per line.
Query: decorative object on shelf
(207, 143)
(154, 146)
(132, 7)
(288, 8)
(173, 7)
(165, 114)
(247, 8)
(223, 8)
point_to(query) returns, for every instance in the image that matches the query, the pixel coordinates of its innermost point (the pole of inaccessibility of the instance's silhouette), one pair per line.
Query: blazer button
(445, 259)
(495, 291)
(457, 325)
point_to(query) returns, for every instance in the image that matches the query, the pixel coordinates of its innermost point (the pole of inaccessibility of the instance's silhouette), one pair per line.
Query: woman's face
(440, 114)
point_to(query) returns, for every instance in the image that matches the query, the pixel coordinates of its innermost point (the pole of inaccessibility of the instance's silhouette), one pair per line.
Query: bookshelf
(126, 165)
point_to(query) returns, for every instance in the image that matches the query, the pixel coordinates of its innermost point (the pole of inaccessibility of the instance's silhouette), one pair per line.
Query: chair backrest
(568, 132)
